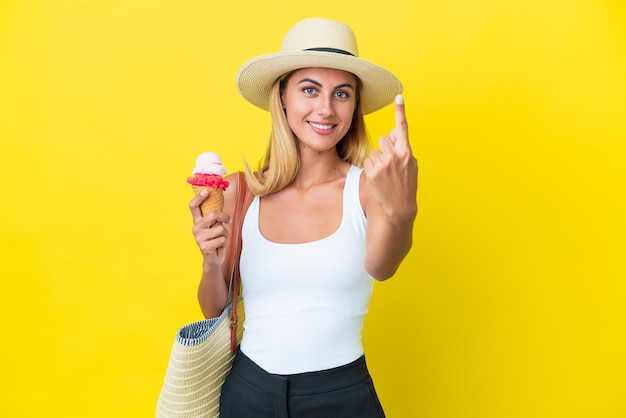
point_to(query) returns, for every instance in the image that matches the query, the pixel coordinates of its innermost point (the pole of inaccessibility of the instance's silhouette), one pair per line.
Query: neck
(319, 169)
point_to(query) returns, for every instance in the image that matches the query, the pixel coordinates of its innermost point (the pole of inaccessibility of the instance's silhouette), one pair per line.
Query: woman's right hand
(209, 232)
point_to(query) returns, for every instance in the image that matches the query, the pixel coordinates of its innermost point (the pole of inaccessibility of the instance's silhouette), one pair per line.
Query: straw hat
(317, 42)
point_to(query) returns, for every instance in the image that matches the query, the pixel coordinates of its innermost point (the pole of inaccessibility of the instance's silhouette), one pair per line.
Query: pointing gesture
(391, 173)
(401, 130)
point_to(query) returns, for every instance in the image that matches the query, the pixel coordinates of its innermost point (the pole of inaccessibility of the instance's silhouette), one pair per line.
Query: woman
(327, 219)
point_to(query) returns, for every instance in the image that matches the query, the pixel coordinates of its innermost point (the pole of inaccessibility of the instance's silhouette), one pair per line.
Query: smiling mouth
(321, 126)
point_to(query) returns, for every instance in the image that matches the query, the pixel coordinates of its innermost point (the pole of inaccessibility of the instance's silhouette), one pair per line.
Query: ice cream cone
(214, 202)
(209, 174)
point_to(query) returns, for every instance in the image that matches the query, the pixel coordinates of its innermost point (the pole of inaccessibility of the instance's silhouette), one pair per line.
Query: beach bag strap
(244, 198)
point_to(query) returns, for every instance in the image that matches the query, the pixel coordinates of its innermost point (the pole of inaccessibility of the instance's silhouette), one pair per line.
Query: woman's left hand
(391, 173)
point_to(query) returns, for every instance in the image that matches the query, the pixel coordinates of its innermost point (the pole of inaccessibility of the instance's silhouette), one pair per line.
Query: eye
(342, 95)
(309, 91)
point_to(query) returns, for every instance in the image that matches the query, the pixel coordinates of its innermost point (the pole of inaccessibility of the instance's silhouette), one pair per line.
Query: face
(319, 103)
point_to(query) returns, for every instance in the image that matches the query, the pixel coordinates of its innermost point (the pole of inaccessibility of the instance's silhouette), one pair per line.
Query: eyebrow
(317, 83)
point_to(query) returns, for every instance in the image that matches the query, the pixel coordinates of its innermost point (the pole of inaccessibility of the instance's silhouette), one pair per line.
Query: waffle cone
(215, 202)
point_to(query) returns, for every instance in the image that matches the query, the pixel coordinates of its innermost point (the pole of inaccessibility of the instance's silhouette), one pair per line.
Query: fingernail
(399, 99)
(204, 192)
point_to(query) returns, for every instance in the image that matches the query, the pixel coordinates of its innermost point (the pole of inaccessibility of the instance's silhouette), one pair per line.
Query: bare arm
(212, 231)
(389, 196)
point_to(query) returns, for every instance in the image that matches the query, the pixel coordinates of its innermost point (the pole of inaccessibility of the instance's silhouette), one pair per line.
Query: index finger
(194, 205)
(401, 130)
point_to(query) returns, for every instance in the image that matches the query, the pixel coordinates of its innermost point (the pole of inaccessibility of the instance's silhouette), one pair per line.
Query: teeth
(319, 126)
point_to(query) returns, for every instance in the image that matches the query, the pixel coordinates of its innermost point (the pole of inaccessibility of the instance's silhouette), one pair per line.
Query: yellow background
(511, 303)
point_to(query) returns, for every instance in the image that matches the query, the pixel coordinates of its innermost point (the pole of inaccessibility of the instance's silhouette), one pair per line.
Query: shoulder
(368, 203)
(363, 190)
(230, 195)
(233, 180)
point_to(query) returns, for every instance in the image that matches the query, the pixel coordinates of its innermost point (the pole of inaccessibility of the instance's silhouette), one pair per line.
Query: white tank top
(305, 303)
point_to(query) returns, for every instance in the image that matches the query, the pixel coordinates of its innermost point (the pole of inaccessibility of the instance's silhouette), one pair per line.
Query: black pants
(342, 392)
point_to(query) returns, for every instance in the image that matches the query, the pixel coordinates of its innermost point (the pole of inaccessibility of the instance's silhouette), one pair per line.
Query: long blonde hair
(281, 162)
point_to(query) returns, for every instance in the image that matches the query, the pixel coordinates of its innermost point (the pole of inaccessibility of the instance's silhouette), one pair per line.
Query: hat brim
(256, 77)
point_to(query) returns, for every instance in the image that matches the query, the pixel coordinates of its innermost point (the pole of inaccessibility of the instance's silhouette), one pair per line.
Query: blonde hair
(281, 162)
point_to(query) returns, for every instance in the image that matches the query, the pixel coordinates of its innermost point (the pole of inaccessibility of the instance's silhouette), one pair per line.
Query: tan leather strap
(244, 198)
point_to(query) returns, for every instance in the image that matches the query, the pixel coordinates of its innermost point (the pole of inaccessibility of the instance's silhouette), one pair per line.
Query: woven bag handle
(244, 198)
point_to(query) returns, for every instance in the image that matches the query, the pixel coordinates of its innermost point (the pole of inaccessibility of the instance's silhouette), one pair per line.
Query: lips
(321, 127)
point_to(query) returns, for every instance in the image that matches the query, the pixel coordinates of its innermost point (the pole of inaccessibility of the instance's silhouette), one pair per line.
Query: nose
(325, 106)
